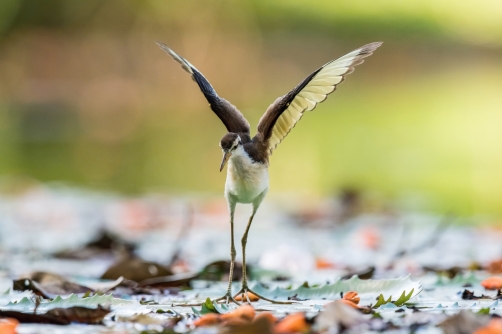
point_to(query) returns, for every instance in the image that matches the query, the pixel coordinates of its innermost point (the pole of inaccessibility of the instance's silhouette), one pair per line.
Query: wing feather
(286, 111)
(231, 117)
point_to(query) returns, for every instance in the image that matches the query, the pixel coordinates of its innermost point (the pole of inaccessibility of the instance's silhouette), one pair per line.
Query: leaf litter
(412, 273)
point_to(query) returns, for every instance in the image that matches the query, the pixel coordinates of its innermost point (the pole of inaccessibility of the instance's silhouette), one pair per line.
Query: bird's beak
(226, 156)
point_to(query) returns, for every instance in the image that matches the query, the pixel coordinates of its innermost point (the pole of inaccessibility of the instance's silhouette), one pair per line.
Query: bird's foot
(227, 298)
(245, 290)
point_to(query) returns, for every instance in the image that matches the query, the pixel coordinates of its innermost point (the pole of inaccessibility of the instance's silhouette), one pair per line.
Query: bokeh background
(87, 98)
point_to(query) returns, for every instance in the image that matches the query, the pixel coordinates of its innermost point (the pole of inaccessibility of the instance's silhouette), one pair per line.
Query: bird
(246, 157)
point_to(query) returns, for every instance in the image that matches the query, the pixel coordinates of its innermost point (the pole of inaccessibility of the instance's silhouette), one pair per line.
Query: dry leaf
(245, 312)
(252, 297)
(352, 296)
(492, 283)
(207, 320)
(493, 327)
(292, 323)
(338, 314)
(8, 326)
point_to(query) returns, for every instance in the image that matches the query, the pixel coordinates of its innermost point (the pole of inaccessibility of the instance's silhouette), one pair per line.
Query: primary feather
(231, 117)
(286, 111)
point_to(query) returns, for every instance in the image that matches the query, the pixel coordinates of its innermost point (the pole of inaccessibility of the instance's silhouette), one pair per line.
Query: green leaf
(485, 310)
(381, 301)
(221, 308)
(208, 307)
(196, 312)
(27, 305)
(404, 298)
(367, 289)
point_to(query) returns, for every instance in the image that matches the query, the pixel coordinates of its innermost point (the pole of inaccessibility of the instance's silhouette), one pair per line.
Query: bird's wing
(282, 115)
(231, 117)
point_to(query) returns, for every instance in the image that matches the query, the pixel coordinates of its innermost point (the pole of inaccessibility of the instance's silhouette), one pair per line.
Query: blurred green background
(86, 96)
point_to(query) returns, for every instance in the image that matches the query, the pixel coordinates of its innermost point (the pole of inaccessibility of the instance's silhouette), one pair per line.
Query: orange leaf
(493, 327)
(266, 315)
(235, 321)
(245, 312)
(292, 323)
(492, 283)
(252, 297)
(8, 325)
(323, 264)
(352, 296)
(495, 267)
(207, 320)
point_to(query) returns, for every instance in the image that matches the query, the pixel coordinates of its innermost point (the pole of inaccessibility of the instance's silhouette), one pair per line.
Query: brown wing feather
(231, 117)
(282, 115)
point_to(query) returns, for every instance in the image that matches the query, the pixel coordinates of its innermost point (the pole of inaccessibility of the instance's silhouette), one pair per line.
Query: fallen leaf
(493, 327)
(209, 307)
(176, 280)
(323, 264)
(106, 243)
(259, 326)
(381, 301)
(469, 295)
(269, 316)
(79, 314)
(245, 312)
(337, 314)
(403, 298)
(8, 325)
(143, 319)
(50, 285)
(135, 269)
(207, 320)
(50, 289)
(61, 316)
(492, 283)
(495, 267)
(373, 288)
(292, 323)
(464, 322)
(366, 273)
(27, 305)
(251, 296)
(352, 296)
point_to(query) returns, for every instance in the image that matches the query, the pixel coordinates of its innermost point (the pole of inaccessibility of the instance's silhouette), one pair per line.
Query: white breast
(246, 179)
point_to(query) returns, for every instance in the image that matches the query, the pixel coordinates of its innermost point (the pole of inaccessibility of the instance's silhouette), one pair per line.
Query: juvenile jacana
(248, 158)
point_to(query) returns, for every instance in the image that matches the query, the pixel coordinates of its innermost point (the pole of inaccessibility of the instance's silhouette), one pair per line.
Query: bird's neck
(239, 155)
(241, 163)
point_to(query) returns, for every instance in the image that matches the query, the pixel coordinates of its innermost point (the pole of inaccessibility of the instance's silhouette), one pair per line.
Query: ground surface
(431, 259)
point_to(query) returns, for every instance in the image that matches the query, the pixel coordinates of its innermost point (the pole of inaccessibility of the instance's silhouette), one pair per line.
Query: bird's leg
(228, 296)
(244, 241)
(245, 289)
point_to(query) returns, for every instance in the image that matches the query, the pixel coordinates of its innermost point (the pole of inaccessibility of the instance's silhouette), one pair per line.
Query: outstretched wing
(231, 117)
(282, 115)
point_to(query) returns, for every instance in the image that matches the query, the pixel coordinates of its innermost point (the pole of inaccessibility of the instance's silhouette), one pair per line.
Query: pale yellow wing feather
(316, 91)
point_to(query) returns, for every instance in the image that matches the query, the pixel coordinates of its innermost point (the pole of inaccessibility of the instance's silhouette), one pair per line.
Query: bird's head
(229, 144)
